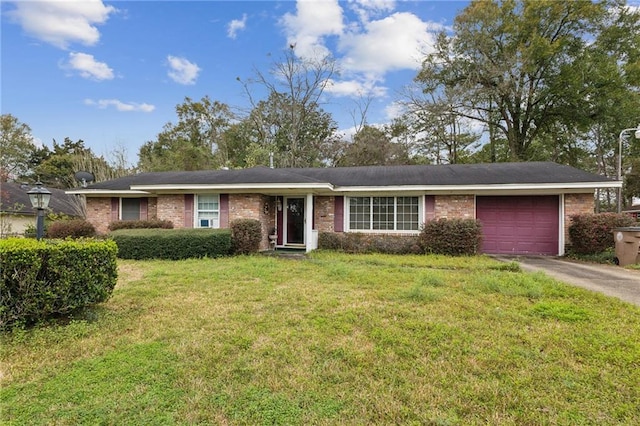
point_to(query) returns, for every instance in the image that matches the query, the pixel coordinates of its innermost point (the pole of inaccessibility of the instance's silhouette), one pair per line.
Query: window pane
(360, 213)
(407, 213)
(208, 211)
(383, 212)
(130, 209)
(208, 202)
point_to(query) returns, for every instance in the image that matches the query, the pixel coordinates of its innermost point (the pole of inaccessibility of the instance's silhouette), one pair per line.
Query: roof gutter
(232, 187)
(489, 187)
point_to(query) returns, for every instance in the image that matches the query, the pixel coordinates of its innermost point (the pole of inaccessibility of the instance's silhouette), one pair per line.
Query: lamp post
(620, 140)
(39, 196)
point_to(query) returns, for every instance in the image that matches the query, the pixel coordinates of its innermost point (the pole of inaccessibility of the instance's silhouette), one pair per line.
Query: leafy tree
(443, 135)
(520, 66)
(373, 146)
(16, 146)
(56, 167)
(195, 142)
(290, 123)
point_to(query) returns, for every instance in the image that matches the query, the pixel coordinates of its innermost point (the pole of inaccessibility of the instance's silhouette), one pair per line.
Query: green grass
(333, 339)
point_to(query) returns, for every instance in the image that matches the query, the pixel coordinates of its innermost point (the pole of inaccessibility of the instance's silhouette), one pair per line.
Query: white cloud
(366, 8)
(182, 71)
(236, 25)
(392, 43)
(356, 88)
(61, 22)
(368, 48)
(119, 105)
(88, 67)
(313, 21)
(394, 110)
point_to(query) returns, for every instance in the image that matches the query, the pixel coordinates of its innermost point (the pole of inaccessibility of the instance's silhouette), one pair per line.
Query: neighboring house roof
(14, 199)
(422, 177)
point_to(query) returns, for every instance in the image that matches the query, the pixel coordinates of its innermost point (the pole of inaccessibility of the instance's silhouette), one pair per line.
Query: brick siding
(323, 213)
(576, 204)
(171, 207)
(254, 206)
(455, 206)
(99, 213)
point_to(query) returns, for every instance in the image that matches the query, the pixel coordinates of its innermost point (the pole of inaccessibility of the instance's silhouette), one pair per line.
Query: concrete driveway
(610, 280)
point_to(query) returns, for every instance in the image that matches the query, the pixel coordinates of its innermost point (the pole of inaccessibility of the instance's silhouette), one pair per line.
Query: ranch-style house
(524, 208)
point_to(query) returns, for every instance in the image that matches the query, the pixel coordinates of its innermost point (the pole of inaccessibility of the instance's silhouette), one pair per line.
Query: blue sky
(111, 72)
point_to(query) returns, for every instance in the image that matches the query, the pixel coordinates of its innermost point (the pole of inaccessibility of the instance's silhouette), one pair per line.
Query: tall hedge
(593, 233)
(172, 244)
(73, 228)
(41, 278)
(246, 235)
(452, 237)
(356, 242)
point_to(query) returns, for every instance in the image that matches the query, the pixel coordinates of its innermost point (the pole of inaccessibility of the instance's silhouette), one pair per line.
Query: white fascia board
(107, 192)
(482, 188)
(242, 187)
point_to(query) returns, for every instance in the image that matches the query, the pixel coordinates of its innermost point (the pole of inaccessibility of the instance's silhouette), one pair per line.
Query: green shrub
(140, 224)
(41, 278)
(453, 237)
(172, 244)
(74, 228)
(356, 242)
(593, 233)
(246, 235)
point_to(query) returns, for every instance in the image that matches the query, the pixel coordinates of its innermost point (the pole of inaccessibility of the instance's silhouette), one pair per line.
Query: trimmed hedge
(593, 233)
(453, 237)
(246, 235)
(172, 244)
(42, 278)
(140, 224)
(355, 242)
(74, 228)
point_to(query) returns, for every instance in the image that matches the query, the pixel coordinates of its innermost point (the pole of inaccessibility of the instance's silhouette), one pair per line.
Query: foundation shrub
(453, 237)
(172, 244)
(43, 278)
(368, 243)
(246, 235)
(73, 228)
(140, 224)
(593, 233)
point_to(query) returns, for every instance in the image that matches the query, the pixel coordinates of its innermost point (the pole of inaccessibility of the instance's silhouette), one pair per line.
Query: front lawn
(333, 339)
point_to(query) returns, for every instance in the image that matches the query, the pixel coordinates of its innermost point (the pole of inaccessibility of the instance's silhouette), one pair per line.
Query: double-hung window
(384, 213)
(207, 211)
(130, 209)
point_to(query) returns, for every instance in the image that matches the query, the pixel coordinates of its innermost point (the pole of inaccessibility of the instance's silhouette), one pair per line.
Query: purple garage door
(519, 225)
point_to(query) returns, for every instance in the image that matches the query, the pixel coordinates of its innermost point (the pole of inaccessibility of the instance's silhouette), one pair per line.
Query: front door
(294, 221)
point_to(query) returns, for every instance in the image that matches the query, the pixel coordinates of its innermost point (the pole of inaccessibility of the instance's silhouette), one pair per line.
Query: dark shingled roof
(370, 176)
(15, 199)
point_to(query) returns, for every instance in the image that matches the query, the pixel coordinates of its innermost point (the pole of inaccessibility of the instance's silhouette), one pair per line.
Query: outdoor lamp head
(39, 196)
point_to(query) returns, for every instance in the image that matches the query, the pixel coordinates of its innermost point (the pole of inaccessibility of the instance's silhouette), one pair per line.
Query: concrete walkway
(610, 280)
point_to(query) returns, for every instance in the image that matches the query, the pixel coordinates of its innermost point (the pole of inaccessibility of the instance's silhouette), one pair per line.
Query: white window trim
(347, 216)
(196, 211)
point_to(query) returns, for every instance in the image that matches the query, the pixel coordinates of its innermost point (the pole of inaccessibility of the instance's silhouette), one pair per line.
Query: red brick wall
(323, 213)
(171, 207)
(454, 206)
(152, 208)
(576, 204)
(254, 206)
(99, 213)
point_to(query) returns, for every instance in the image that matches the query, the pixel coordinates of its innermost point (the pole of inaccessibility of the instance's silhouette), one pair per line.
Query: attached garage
(519, 224)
